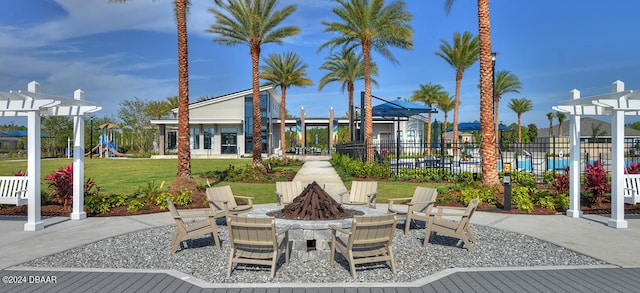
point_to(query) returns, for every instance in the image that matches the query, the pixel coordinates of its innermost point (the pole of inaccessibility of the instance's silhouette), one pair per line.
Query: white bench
(631, 188)
(13, 190)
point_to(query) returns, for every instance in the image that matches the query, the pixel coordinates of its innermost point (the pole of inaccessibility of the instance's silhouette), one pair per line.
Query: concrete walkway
(589, 235)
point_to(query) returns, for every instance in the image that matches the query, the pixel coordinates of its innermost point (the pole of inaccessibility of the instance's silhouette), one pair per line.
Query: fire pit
(309, 216)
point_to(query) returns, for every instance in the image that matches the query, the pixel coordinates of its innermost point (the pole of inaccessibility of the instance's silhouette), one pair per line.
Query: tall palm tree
(253, 23)
(561, 116)
(184, 149)
(284, 70)
(371, 25)
(429, 94)
(520, 106)
(346, 68)
(505, 82)
(550, 116)
(488, 145)
(461, 55)
(445, 103)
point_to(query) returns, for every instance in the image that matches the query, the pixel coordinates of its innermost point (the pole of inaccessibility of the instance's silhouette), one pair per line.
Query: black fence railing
(537, 157)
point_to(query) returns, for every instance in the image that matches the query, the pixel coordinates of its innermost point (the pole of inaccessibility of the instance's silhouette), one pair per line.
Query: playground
(107, 144)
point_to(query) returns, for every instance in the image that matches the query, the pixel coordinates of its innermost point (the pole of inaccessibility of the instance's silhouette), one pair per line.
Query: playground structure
(107, 145)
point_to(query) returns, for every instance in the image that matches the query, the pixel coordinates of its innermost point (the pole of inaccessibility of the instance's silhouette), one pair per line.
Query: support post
(78, 163)
(617, 142)
(34, 217)
(574, 167)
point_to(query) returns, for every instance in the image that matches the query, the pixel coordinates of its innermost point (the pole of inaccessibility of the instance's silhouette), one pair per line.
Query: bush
(597, 182)
(484, 194)
(548, 202)
(562, 202)
(522, 200)
(61, 183)
(96, 204)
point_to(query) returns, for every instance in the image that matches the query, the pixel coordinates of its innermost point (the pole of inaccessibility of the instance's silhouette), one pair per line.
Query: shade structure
(400, 108)
(21, 133)
(471, 126)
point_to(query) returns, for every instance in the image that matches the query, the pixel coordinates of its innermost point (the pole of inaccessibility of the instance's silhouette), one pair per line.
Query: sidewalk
(589, 235)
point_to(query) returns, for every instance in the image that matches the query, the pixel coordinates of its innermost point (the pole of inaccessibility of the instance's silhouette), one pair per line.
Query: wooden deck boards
(535, 280)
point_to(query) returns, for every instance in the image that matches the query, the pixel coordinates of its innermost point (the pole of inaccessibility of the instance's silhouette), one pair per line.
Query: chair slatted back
(289, 190)
(423, 198)
(466, 217)
(219, 194)
(368, 231)
(252, 232)
(360, 190)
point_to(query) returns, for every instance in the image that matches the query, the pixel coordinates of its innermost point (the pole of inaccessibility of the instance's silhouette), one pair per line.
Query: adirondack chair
(460, 229)
(223, 202)
(418, 207)
(368, 241)
(286, 191)
(191, 231)
(256, 241)
(361, 193)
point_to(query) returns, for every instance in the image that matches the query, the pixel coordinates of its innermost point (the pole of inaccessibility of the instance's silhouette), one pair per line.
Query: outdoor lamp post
(493, 90)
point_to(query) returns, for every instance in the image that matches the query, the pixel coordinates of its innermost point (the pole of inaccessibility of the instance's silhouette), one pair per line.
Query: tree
(532, 131)
(520, 106)
(506, 82)
(561, 116)
(157, 109)
(445, 103)
(371, 25)
(429, 94)
(172, 104)
(346, 68)
(284, 71)
(184, 149)
(253, 23)
(133, 114)
(488, 142)
(60, 128)
(550, 116)
(461, 55)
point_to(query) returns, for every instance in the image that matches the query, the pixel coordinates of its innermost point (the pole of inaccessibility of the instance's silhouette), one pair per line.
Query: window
(194, 138)
(208, 138)
(172, 140)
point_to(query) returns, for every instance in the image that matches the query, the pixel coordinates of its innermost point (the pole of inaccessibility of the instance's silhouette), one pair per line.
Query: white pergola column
(78, 163)
(34, 220)
(617, 141)
(574, 165)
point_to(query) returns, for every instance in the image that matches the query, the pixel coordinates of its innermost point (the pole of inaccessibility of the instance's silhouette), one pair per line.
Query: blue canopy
(470, 126)
(400, 108)
(21, 133)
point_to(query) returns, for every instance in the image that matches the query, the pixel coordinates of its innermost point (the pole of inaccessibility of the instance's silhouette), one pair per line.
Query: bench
(631, 188)
(13, 190)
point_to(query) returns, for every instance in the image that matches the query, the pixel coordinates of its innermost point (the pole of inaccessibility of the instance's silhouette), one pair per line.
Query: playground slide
(111, 149)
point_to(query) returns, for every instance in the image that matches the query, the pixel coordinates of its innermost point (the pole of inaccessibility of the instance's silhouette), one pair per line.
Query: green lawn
(125, 176)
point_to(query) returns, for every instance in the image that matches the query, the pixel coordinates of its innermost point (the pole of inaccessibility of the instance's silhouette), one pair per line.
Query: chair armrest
(340, 229)
(248, 198)
(193, 214)
(391, 200)
(283, 229)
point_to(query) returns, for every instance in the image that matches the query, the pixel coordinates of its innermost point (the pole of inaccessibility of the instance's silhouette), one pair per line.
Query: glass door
(229, 141)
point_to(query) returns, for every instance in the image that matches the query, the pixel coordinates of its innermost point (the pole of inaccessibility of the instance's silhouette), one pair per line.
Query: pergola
(616, 104)
(34, 104)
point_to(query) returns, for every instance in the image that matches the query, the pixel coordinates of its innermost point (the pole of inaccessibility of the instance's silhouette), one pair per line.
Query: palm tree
(550, 116)
(184, 150)
(445, 103)
(346, 68)
(487, 146)
(561, 116)
(506, 82)
(371, 25)
(284, 71)
(429, 94)
(520, 106)
(461, 55)
(173, 103)
(253, 23)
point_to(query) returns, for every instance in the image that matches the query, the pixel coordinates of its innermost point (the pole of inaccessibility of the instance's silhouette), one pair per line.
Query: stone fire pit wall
(303, 234)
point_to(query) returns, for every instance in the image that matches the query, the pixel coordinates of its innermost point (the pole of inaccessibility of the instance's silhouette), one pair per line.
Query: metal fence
(537, 157)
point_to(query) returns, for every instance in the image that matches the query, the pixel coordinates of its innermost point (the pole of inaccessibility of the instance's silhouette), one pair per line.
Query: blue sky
(115, 52)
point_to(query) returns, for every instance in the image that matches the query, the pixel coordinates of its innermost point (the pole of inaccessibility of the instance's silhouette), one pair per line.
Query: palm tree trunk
(454, 139)
(497, 121)
(184, 152)
(519, 129)
(350, 89)
(559, 129)
(368, 126)
(257, 117)
(488, 143)
(282, 110)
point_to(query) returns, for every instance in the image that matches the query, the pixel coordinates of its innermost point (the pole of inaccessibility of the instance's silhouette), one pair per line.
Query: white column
(574, 165)
(78, 163)
(34, 220)
(617, 141)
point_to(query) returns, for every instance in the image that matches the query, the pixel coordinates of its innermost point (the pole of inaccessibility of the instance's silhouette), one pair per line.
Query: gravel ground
(150, 249)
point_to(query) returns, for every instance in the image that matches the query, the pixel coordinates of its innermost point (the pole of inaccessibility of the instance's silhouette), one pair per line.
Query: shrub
(484, 194)
(633, 168)
(562, 202)
(61, 183)
(96, 204)
(561, 182)
(134, 205)
(548, 202)
(596, 181)
(522, 200)
(183, 197)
